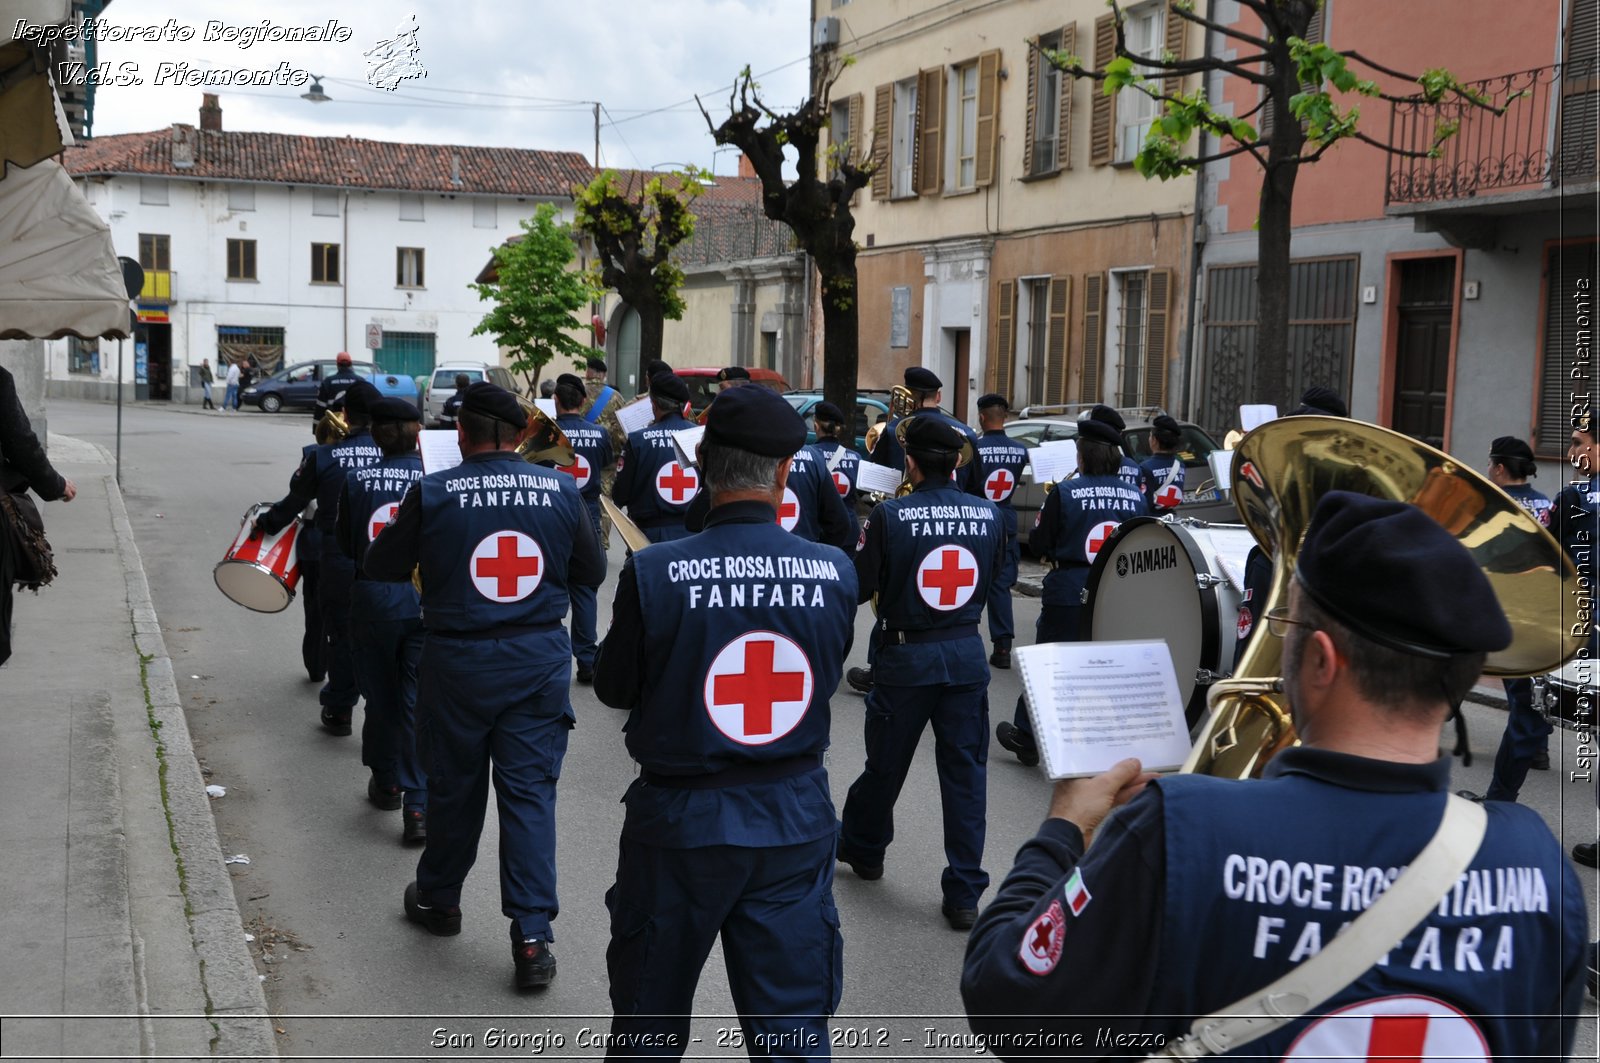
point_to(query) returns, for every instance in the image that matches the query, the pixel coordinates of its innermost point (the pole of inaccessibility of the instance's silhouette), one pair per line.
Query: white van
(443, 384)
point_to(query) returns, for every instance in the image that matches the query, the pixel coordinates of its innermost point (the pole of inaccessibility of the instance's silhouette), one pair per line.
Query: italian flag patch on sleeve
(1076, 893)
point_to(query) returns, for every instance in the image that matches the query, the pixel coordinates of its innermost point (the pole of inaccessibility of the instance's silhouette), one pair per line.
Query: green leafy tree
(1313, 99)
(814, 205)
(635, 227)
(536, 297)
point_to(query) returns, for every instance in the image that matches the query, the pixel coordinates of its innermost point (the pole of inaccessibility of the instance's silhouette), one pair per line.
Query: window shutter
(882, 101)
(1103, 115)
(1001, 371)
(853, 148)
(988, 129)
(1564, 265)
(1157, 338)
(1069, 44)
(1094, 332)
(928, 164)
(1030, 124)
(1172, 84)
(1317, 27)
(1055, 353)
(1583, 32)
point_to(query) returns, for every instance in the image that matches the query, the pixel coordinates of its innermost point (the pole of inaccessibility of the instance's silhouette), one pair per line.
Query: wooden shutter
(988, 117)
(1094, 334)
(1069, 85)
(928, 161)
(1172, 84)
(882, 104)
(1002, 359)
(853, 148)
(1030, 124)
(1055, 353)
(1103, 115)
(1157, 336)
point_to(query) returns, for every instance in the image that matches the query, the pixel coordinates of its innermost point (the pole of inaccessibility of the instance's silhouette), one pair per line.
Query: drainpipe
(344, 288)
(1198, 248)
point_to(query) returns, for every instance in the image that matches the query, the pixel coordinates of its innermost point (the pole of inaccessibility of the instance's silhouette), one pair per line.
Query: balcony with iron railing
(1540, 143)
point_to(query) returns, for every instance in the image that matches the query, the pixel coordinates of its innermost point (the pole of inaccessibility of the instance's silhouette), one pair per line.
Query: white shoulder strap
(1378, 929)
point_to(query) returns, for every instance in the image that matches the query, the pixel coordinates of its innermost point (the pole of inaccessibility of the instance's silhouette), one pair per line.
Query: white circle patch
(1042, 941)
(381, 518)
(1097, 538)
(507, 567)
(1393, 1028)
(758, 688)
(789, 510)
(580, 470)
(948, 578)
(676, 484)
(1170, 496)
(999, 485)
(842, 482)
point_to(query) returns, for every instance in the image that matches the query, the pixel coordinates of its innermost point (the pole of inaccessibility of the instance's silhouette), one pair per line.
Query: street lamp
(315, 94)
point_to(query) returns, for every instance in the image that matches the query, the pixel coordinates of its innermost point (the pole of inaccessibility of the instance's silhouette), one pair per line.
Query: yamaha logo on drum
(1152, 560)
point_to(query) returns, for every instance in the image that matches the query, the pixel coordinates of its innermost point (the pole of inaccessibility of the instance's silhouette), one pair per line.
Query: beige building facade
(1006, 241)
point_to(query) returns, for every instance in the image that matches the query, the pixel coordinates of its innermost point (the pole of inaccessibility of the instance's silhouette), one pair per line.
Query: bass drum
(1179, 581)
(1568, 697)
(260, 572)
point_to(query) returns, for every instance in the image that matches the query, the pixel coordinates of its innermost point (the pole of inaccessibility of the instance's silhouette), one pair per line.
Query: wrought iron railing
(1544, 137)
(733, 235)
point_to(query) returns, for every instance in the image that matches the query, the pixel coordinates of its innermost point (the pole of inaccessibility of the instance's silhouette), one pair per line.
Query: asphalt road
(346, 975)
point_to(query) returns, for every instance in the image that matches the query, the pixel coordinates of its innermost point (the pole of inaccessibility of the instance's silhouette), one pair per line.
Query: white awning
(58, 270)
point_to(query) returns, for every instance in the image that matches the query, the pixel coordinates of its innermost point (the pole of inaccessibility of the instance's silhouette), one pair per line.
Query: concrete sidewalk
(121, 935)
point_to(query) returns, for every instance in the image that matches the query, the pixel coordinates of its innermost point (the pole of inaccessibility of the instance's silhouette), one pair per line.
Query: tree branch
(1404, 153)
(1227, 31)
(1379, 67)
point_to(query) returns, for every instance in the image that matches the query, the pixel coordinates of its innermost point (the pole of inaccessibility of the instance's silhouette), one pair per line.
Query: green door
(406, 353)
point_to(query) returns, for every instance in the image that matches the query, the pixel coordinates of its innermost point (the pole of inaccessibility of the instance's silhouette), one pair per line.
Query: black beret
(733, 372)
(597, 364)
(756, 420)
(392, 408)
(359, 397)
(1100, 432)
(492, 400)
(933, 434)
(1392, 574)
(827, 411)
(991, 399)
(1510, 447)
(1320, 400)
(668, 386)
(1167, 429)
(1106, 415)
(570, 380)
(920, 379)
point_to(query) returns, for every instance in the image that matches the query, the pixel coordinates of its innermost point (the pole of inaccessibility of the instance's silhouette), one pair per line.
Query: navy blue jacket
(653, 493)
(1161, 479)
(592, 447)
(370, 500)
(320, 478)
(969, 477)
(1003, 461)
(844, 462)
(1075, 521)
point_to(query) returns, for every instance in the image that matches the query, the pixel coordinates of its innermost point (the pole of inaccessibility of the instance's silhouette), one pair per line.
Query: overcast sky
(519, 74)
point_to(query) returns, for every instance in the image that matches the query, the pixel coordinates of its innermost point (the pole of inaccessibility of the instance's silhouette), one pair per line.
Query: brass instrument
(902, 402)
(1280, 471)
(543, 439)
(331, 427)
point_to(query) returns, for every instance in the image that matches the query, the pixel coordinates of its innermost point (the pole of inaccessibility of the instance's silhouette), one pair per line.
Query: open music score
(878, 479)
(686, 441)
(1095, 703)
(439, 448)
(1054, 460)
(636, 415)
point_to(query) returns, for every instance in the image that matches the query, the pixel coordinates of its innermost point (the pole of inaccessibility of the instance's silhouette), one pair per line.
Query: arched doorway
(624, 344)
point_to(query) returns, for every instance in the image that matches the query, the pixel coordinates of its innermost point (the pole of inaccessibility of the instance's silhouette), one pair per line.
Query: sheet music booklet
(1095, 703)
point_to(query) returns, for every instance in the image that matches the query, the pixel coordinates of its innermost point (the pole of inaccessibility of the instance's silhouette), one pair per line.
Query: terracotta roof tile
(349, 162)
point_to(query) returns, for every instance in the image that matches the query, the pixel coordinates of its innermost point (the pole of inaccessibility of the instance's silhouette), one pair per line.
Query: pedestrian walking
(206, 378)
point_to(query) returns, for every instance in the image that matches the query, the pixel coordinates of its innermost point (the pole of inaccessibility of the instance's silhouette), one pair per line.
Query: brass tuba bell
(331, 427)
(902, 402)
(1280, 471)
(543, 440)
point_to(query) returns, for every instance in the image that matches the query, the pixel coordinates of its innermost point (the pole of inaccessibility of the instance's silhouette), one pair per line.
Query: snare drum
(1176, 580)
(260, 573)
(1569, 698)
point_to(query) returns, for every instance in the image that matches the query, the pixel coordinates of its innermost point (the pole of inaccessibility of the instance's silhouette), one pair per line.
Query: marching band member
(1077, 517)
(928, 570)
(1161, 474)
(1127, 468)
(725, 648)
(591, 445)
(839, 457)
(927, 391)
(601, 409)
(498, 542)
(1204, 891)
(1003, 461)
(652, 485)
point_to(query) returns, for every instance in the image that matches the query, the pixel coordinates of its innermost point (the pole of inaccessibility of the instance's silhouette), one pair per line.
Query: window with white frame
(324, 203)
(903, 150)
(410, 207)
(1129, 342)
(241, 197)
(964, 141)
(153, 191)
(484, 214)
(1144, 28)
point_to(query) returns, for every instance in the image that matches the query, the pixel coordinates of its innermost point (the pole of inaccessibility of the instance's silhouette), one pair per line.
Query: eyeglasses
(1279, 622)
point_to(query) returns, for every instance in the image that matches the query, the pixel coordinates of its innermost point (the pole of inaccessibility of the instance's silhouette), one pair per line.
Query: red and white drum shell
(261, 573)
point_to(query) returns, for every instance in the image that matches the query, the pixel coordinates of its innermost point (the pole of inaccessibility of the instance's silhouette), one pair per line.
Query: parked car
(443, 384)
(1200, 495)
(703, 385)
(295, 387)
(870, 405)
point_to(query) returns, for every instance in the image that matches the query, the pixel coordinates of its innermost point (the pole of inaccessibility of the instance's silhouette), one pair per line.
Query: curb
(234, 1000)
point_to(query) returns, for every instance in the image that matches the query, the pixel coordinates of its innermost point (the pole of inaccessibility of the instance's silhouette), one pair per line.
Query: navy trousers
(494, 707)
(1057, 623)
(585, 607)
(333, 597)
(1002, 628)
(895, 718)
(1527, 735)
(773, 909)
(386, 653)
